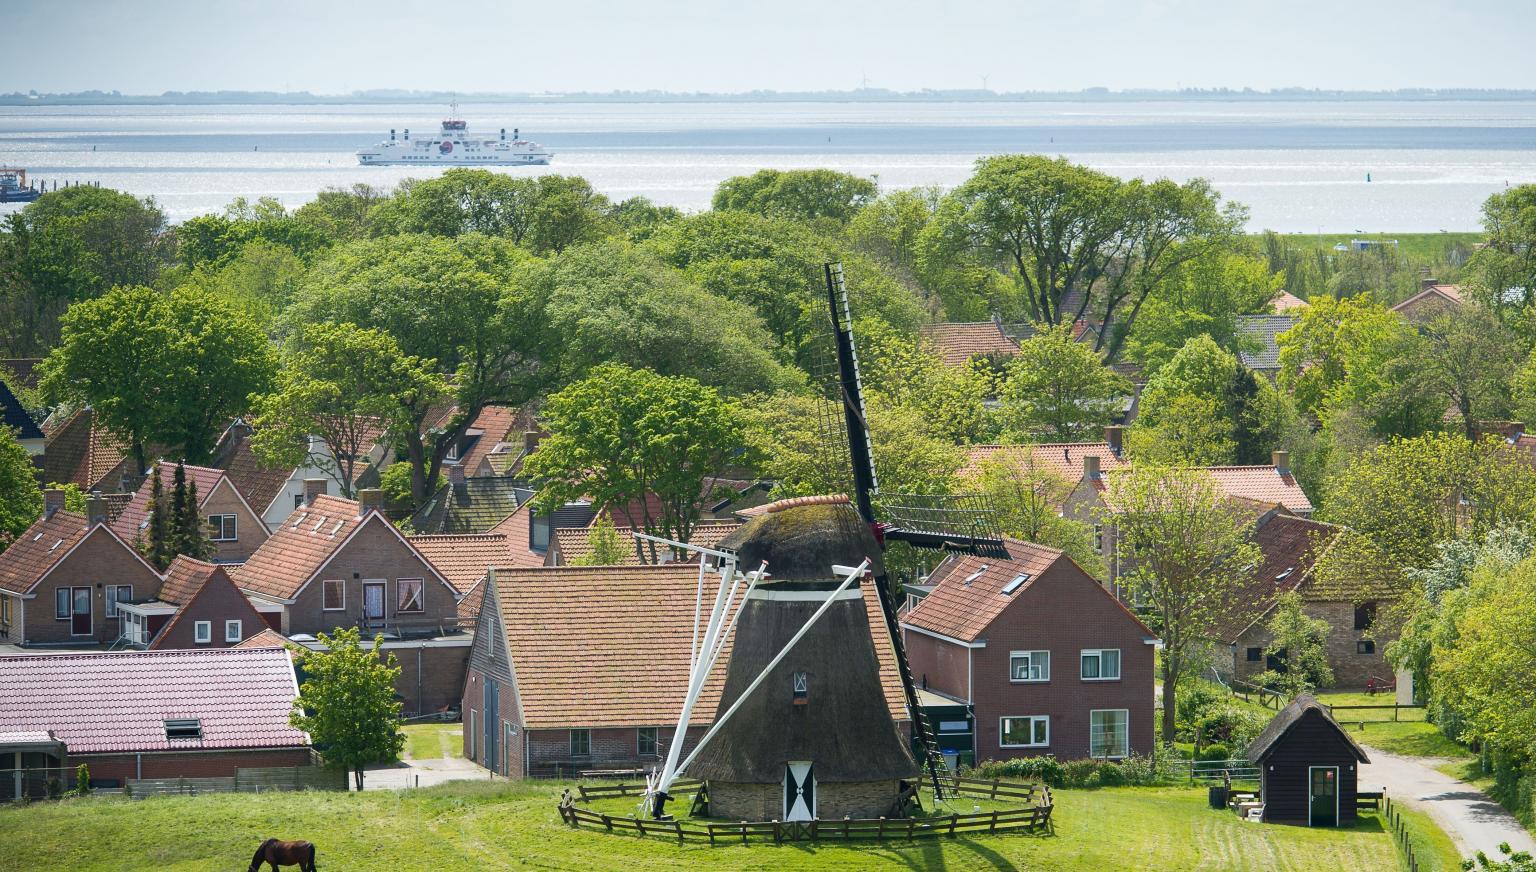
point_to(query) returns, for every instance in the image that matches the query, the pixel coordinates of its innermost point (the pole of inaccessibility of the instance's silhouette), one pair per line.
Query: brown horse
(300, 854)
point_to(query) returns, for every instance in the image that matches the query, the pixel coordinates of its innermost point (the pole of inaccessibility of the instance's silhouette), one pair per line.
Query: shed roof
(267, 638)
(1304, 705)
(119, 702)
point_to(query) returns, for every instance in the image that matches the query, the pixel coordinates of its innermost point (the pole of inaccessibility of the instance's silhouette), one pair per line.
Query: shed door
(799, 792)
(1323, 796)
(80, 614)
(492, 707)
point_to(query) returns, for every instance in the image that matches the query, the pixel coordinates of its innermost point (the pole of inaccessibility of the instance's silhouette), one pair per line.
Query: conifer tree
(187, 535)
(155, 543)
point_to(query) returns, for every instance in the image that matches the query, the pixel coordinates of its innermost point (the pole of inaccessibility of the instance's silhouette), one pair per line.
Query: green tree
(639, 219)
(623, 436)
(1469, 360)
(20, 501)
(72, 245)
(460, 302)
(260, 278)
(1027, 501)
(157, 541)
(547, 214)
(1188, 555)
(341, 389)
(889, 228)
(1189, 431)
(347, 703)
(341, 214)
(607, 546)
(1502, 274)
(171, 369)
(1205, 296)
(1059, 389)
(804, 195)
(1204, 408)
(901, 370)
(212, 240)
(74, 497)
(1301, 643)
(188, 535)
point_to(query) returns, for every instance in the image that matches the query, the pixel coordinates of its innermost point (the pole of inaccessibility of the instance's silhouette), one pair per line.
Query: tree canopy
(804, 195)
(347, 702)
(1057, 389)
(21, 502)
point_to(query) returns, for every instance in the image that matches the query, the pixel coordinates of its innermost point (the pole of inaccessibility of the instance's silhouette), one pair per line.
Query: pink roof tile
(1287, 302)
(1289, 547)
(1064, 459)
(463, 559)
(131, 521)
(956, 344)
(119, 702)
(575, 543)
(515, 528)
(267, 638)
(299, 547)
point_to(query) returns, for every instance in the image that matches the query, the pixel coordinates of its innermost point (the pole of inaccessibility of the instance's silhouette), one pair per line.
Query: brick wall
(250, 532)
(936, 664)
(217, 602)
(430, 677)
(374, 553)
(1351, 669)
(99, 560)
(199, 764)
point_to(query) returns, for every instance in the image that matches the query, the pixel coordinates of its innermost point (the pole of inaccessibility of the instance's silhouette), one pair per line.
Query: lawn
(502, 825)
(433, 741)
(1409, 736)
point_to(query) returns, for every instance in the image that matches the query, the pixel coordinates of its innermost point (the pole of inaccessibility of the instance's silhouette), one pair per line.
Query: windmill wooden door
(799, 792)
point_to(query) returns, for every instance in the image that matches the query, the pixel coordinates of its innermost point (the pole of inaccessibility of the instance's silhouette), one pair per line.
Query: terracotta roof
(298, 547)
(1263, 483)
(495, 424)
(1434, 296)
(183, 579)
(23, 368)
(259, 484)
(956, 344)
(515, 528)
(80, 451)
(575, 543)
(609, 645)
(463, 559)
(1065, 459)
(119, 702)
(1265, 329)
(135, 516)
(1289, 546)
(192, 579)
(39, 549)
(267, 638)
(1286, 302)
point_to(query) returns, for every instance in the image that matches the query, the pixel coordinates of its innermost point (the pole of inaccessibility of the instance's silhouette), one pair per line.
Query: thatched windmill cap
(802, 538)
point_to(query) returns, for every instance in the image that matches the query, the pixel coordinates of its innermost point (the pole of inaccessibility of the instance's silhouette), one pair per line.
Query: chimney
(315, 487)
(530, 441)
(456, 475)
(1090, 466)
(370, 499)
(1427, 283)
(1115, 436)
(95, 510)
(1282, 461)
(53, 501)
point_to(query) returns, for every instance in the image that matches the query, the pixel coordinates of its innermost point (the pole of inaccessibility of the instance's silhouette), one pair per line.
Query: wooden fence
(1031, 818)
(1395, 708)
(1401, 837)
(261, 780)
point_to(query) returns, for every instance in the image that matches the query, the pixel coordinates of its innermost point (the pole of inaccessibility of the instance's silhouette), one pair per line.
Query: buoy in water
(1367, 177)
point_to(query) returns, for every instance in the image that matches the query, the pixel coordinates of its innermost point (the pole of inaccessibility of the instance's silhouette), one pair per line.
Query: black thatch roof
(844, 726)
(1287, 718)
(803, 542)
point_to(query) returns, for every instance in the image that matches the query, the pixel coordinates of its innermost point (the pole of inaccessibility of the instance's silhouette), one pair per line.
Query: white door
(799, 792)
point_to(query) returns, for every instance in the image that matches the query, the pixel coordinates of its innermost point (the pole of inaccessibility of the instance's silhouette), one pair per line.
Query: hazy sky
(149, 46)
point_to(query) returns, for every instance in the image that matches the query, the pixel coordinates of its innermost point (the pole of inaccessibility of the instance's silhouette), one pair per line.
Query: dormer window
(802, 687)
(183, 728)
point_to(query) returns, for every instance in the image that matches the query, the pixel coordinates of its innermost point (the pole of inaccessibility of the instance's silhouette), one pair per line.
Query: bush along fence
(1033, 816)
(1401, 836)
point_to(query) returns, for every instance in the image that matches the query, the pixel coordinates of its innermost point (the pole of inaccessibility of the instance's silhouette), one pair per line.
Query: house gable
(215, 600)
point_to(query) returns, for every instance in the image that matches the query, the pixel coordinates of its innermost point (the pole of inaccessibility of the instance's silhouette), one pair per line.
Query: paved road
(1473, 820)
(422, 773)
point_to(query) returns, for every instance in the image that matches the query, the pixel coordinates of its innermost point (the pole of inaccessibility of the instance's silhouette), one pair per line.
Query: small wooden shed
(1309, 766)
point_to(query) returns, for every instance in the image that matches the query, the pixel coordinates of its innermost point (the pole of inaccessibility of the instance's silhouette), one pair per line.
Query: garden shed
(1308, 766)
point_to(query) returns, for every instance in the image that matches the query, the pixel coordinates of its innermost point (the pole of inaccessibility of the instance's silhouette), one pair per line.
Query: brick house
(61, 580)
(554, 688)
(275, 492)
(1290, 548)
(197, 607)
(1046, 660)
(340, 563)
(1433, 299)
(234, 527)
(147, 714)
(80, 451)
(957, 344)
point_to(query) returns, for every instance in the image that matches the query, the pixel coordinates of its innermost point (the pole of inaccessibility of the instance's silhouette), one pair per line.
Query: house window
(410, 595)
(117, 593)
(1101, 664)
(1098, 537)
(453, 453)
(232, 631)
(1255, 655)
(1109, 733)
(335, 595)
(538, 532)
(183, 728)
(298, 501)
(1365, 646)
(1033, 731)
(581, 743)
(5, 611)
(202, 632)
(1029, 666)
(1365, 615)
(61, 610)
(645, 741)
(221, 528)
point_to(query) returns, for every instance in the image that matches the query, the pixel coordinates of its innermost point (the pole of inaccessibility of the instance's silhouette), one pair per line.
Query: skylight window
(975, 575)
(183, 728)
(300, 519)
(318, 524)
(55, 545)
(1015, 583)
(335, 528)
(1288, 571)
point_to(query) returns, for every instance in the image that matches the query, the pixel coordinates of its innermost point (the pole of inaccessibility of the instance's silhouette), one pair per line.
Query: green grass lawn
(502, 825)
(1417, 248)
(432, 741)
(1409, 736)
(1431, 846)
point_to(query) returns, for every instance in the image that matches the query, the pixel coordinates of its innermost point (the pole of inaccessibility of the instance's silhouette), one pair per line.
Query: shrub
(1194, 703)
(82, 779)
(1232, 725)
(1041, 769)
(1215, 751)
(1112, 775)
(1081, 773)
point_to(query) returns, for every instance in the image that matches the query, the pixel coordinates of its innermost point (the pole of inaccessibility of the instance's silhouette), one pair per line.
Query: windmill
(805, 728)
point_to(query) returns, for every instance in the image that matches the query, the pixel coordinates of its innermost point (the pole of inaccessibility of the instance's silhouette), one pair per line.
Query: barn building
(1309, 767)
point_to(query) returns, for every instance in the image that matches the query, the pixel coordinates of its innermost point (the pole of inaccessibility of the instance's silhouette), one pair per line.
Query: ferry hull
(521, 160)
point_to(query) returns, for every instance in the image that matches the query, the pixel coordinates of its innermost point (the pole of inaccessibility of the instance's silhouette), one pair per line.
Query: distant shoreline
(864, 95)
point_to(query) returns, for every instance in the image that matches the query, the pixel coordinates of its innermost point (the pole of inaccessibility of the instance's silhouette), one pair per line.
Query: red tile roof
(119, 702)
(1429, 299)
(1286, 302)
(495, 424)
(1064, 459)
(188, 579)
(515, 528)
(78, 450)
(1263, 483)
(609, 645)
(258, 483)
(956, 344)
(267, 638)
(1289, 546)
(465, 560)
(183, 579)
(134, 517)
(299, 547)
(39, 550)
(575, 543)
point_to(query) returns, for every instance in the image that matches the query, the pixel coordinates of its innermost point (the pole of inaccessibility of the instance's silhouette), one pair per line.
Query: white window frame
(1045, 674)
(1125, 750)
(234, 528)
(114, 595)
(202, 632)
(63, 596)
(1098, 654)
(1034, 721)
(421, 596)
(238, 635)
(327, 582)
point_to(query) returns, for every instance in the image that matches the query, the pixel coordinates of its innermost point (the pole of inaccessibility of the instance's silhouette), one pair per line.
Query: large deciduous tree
(346, 387)
(168, 369)
(20, 500)
(1189, 554)
(1027, 500)
(1204, 408)
(627, 437)
(347, 703)
(1058, 389)
(547, 214)
(804, 195)
(1503, 272)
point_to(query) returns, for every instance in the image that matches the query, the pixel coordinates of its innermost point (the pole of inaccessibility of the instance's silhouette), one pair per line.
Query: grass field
(1417, 248)
(432, 741)
(1409, 736)
(479, 825)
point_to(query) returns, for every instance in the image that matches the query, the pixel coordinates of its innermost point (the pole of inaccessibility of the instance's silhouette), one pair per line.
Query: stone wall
(1351, 669)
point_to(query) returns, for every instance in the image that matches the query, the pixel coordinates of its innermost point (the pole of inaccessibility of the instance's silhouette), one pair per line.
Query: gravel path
(1470, 817)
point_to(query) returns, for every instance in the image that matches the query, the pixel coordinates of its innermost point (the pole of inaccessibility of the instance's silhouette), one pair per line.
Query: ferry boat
(14, 187)
(454, 146)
